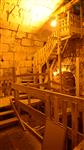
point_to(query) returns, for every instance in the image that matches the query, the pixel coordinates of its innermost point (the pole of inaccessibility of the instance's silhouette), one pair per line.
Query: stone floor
(15, 138)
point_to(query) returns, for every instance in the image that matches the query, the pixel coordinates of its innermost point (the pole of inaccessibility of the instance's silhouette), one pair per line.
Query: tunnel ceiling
(30, 14)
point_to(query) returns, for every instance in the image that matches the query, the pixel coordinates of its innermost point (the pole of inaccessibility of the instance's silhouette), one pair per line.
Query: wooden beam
(40, 76)
(65, 7)
(81, 17)
(59, 53)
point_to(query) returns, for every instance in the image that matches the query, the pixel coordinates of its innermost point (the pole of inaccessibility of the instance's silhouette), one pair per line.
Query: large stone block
(7, 39)
(20, 34)
(5, 64)
(38, 43)
(26, 42)
(18, 49)
(5, 32)
(4, 47)
(8, 56)
(4, 24)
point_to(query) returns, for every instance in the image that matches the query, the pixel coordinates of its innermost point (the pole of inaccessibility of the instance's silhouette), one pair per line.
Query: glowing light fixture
(53, 23)
(55, 73)
(63, 69)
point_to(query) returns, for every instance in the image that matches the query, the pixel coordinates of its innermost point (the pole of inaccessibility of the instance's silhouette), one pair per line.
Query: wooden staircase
(69, 26)
(7, 117)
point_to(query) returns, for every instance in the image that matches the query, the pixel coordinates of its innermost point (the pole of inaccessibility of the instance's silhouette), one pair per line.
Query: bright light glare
(39, 14)
(53, 23)
(36, 12)
(55, 73)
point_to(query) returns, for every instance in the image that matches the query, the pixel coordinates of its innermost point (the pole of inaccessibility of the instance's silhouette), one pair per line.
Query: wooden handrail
(33, 91)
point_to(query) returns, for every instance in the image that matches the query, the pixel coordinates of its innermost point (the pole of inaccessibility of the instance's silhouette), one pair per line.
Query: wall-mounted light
(53, 23)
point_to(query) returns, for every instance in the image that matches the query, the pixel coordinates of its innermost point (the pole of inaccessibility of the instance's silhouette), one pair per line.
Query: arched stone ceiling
(28, 14)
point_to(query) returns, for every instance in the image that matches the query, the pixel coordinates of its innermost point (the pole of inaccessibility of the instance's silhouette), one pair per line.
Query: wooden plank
(64, 113)
(74, 124)
(56, 110)
(77, 76)
(83, 118)
(40, 76)
(41, 94)
(80, 146)
(30, 101)
(35, 113)
(81, 17)
(8, 121)
(65, 7)
(33, 131)
(47, 106)
(6, 112)
(18, 115)
(54, 136)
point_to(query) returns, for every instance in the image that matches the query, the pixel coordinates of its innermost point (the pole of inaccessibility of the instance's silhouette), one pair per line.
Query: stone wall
(17, 47)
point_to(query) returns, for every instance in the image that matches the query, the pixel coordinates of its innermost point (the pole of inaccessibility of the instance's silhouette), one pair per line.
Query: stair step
(5, 108)
(7, 122)
(6, 112)
(23, 96)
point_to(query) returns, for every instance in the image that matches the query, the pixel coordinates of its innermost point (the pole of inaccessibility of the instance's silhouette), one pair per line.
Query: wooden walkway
(17, 139)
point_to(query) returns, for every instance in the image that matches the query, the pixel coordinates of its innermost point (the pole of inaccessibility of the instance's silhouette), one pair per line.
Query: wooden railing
(31, 78)
(68, 110)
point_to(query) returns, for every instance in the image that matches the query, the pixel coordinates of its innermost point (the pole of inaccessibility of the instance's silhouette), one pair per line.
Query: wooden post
(77, 58)
(48, 71)
(29, 100)
(81, 17)
(83, 123)
(83, 118)
(56, 109)
(77, 75)
(59, 65)
(16, 95)
(59, 55)
(14, 75)
(40, 76)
